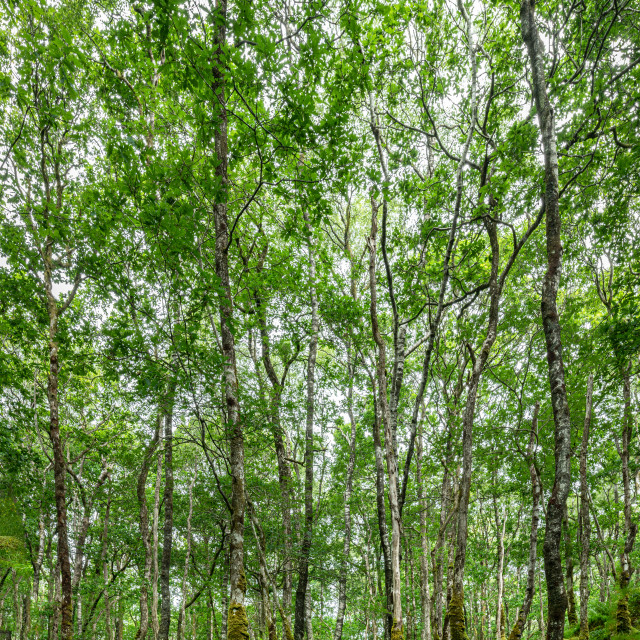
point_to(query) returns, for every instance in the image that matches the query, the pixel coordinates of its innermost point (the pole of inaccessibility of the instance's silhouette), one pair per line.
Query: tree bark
(585, 523)
(185, 575)
(568, 552)
(425, 601)
(500, 626)
(59, 463)
(556, 596)
(237, 621)
(626, 570)
(382, 517)
(145, 533)
(167, 540)
(342, 578)
(155, 624)
(305, 550)
(536, 494)
(397, 629)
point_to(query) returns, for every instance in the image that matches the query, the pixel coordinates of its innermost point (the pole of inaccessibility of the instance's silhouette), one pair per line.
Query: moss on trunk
(456, 617)
(237, 622)
(397, 631)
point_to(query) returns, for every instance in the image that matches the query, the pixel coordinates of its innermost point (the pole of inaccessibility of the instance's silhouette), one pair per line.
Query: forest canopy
(319, 319)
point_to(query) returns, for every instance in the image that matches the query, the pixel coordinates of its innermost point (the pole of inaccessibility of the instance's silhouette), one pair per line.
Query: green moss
(288, 634)
(623, 618)
(456, 617)
(237, 622)
(242, 582)
(584, 632)
(397, 632)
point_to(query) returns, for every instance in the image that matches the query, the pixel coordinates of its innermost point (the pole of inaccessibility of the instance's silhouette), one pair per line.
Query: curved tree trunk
(556, 596)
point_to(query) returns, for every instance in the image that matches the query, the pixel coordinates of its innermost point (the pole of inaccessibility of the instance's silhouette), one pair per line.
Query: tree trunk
(145, 534)
(568, 552)
(305, 551)
(500, 626)
(425, 602)
(626, 570)
(536, 493)
(397, 629)
(585, 523)
(185, 575)
(342, 578)
(167, 541)
(59, 463)
(382, 519)
(556, 596)
(154, 553)
(237, 621)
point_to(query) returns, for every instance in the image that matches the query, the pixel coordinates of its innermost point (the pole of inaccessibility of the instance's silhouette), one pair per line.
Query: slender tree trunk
(145, 534)
(105, 571)
(382, 519)
(556, 596)
(425, 602)
(185, 575)
(237, 621)
(155, 624)
(626, 570)
(305, 551)
(585, 523)
(500, 626)
(59, 463)
(536, 493)
(167, 540)
(342, 578)
(224, 588)
(568, 552)
(397, 628)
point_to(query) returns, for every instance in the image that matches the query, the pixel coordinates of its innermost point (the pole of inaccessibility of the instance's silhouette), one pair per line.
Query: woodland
(319, 319)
